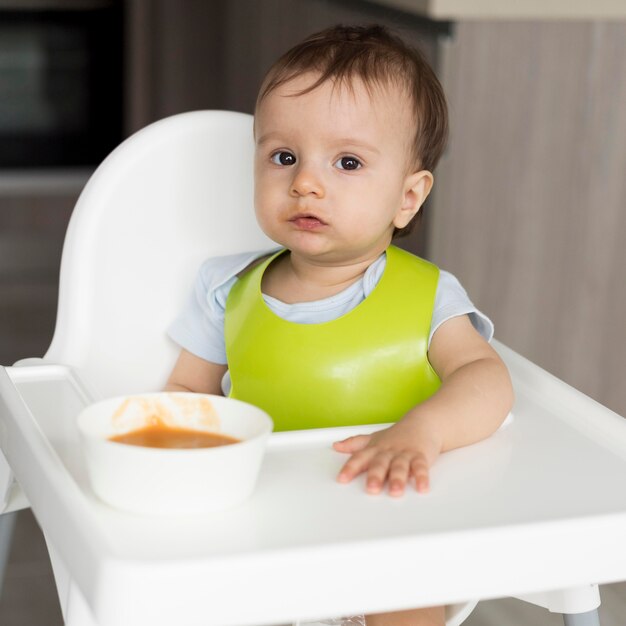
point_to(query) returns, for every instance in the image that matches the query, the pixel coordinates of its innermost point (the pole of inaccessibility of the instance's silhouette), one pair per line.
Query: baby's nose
(307, 181)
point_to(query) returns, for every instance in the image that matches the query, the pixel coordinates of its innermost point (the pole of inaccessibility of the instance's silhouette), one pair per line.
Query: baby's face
(332, 168)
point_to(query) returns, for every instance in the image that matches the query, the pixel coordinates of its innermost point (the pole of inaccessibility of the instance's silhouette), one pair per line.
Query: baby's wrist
(423, 428)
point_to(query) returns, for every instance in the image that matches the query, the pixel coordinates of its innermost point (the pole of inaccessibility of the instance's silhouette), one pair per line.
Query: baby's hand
(393, 455)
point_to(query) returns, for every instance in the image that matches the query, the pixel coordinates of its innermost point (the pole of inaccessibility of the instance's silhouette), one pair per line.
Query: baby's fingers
(352, 444)
(399, 474)
(377, 472)
(419, 471)
(356, 464)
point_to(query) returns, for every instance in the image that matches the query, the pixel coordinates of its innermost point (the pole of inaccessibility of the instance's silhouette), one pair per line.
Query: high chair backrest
(173, 194)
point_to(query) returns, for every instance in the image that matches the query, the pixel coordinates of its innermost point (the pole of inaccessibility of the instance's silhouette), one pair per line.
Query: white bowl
(160, 481)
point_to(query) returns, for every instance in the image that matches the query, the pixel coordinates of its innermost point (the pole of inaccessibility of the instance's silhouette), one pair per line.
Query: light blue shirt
(199, 328)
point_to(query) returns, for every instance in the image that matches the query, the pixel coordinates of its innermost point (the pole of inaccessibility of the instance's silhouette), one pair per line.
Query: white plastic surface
(539, 505)
(173, 194)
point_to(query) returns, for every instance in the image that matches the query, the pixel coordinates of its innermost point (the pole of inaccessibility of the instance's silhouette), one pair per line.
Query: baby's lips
(308, 222)
(308, 215)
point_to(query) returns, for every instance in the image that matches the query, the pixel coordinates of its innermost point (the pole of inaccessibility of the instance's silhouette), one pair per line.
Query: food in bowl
(173, 480)
(159, 436)
(160, 427)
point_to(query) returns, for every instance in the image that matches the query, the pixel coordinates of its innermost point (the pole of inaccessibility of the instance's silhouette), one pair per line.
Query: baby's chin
(335, 258)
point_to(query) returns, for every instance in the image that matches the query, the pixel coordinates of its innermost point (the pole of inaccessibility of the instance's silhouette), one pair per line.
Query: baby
(338, 326)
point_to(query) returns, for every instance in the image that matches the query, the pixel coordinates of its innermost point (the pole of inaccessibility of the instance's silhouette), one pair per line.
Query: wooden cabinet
(530, 204)
(34, 213)
(193, 54)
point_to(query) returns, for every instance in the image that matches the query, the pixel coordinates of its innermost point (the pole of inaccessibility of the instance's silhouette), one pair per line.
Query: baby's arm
(192, 373)
(474, 399)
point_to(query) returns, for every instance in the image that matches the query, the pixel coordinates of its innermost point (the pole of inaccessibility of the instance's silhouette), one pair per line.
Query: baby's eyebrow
(342, 142)
(265, 138)
(355, 143)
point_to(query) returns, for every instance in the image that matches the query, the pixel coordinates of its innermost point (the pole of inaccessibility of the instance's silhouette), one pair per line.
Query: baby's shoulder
(449, 290)
(449, 282)
(252, 264)
(218, 270)
(217, 275)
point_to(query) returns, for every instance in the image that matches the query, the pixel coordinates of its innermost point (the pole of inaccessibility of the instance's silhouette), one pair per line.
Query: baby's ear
(417, 186)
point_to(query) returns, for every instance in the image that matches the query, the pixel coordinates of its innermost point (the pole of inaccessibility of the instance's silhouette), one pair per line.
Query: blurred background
(529, 202)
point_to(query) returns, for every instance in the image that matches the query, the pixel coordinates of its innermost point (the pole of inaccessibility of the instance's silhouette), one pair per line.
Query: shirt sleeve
(199, 328)
(451, 300)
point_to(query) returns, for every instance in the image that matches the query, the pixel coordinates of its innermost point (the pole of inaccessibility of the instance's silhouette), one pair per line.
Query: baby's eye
(348, 163)
(283, 158)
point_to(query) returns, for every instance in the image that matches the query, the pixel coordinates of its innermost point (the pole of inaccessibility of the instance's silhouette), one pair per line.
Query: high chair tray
(539, 505)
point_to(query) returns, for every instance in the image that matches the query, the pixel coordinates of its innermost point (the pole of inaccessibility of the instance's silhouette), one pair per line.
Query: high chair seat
(513, 515)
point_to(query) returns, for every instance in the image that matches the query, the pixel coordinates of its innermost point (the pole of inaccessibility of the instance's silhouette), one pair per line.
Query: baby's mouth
(307, 221)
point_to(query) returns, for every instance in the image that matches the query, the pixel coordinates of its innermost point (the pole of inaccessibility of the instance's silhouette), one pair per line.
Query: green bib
(369, 366)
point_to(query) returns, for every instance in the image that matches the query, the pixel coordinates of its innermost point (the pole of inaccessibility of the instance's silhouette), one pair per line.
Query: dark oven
(60, 82)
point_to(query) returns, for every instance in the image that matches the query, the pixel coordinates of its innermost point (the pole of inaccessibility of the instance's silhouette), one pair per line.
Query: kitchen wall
(530, 212)
(34, 212)
(195, 54)
(60, 111)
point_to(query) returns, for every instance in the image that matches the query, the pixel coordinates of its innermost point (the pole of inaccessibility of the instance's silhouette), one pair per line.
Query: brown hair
(377, 57)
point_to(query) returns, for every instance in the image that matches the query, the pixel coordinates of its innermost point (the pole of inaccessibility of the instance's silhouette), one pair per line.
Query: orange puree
(160, 436)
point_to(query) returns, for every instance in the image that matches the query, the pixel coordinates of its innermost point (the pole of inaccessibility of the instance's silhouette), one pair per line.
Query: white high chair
(166, 199)
(173, 194)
